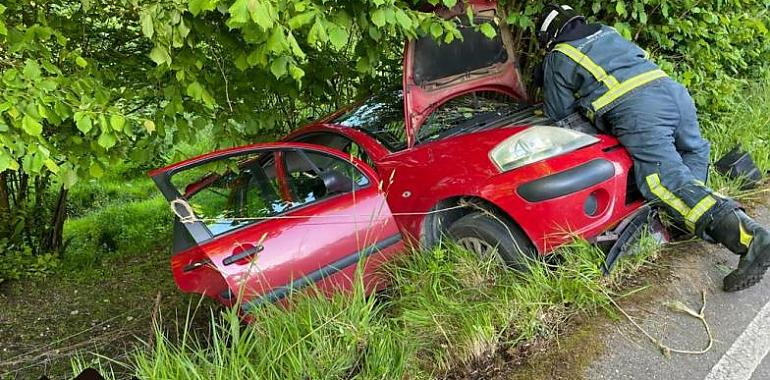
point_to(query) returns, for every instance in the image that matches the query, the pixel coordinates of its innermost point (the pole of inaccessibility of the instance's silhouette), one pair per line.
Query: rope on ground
(680, 307)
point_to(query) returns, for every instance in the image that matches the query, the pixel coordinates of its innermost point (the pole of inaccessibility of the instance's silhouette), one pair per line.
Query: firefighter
(591, 69)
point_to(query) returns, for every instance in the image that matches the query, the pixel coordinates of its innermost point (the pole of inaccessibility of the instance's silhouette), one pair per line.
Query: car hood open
(437, 71)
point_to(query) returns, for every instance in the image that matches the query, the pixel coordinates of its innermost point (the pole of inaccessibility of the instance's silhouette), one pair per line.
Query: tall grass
(97, 194)
(747, 124)
(445, 308)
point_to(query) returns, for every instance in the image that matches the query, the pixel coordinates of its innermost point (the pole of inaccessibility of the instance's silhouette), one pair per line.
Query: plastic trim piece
(568, 181)
(338, 266)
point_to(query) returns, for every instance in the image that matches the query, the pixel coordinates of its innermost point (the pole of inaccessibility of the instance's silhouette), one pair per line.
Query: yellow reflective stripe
(657, 188)
(627, 86)
(697, 212)
(745, 237)
(588, 64)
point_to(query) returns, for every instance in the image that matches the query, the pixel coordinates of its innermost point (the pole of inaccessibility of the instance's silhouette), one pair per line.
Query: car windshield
(381, 116)
(467, 112)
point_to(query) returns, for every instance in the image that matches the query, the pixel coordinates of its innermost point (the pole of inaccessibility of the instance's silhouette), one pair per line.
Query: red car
(457, 151)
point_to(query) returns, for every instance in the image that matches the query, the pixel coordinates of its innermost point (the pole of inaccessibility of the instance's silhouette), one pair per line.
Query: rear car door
(261, 221)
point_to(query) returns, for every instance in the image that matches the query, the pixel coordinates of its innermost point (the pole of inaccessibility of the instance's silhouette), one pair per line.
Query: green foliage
(117, 229)
(747, 125)
(85, 84)
(19, 262)
(66, 87)
(260, 68)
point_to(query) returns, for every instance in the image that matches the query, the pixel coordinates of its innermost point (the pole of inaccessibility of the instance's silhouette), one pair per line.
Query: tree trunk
(53, 242)
(5, 203)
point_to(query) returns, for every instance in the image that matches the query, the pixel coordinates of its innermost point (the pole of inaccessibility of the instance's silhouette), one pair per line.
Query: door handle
(242, 255)
(195, 265)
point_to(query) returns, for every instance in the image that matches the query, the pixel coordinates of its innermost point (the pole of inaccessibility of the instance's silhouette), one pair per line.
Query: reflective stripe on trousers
(691, 215)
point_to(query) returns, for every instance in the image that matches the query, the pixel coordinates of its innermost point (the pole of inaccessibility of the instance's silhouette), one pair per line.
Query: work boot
(745, 237)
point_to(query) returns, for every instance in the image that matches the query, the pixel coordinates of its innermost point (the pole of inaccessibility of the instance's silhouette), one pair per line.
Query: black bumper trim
(279, 293)
(568, 181)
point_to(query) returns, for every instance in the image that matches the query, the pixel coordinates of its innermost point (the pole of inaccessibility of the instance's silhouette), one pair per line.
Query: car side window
(233, 192)
(339, 142)
(315, 176)
(230, 193)
(465, 111)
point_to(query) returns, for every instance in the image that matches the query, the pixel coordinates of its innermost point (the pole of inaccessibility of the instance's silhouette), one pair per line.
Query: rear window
(381, 116)
(436, 60)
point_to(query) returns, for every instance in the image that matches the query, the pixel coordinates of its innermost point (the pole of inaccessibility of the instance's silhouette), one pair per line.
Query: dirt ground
(103, 311)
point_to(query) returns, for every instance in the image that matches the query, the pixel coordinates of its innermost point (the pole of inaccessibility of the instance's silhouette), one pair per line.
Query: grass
(95, 195)
(445, 309)
(748, 125)
(128, 228)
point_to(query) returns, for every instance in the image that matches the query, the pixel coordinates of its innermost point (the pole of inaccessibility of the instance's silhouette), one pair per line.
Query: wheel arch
(436, 224)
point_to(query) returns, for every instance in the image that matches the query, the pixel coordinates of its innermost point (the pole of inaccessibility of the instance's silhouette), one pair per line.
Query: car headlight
(537, 143)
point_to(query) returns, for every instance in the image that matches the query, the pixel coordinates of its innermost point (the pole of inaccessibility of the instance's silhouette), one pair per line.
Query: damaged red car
(457, 152)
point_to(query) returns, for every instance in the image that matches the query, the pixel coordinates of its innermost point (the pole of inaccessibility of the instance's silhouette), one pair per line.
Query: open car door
(261, 221)
(435, 71)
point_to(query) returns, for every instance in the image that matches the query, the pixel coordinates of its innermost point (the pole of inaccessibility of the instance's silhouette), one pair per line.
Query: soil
(107, 310)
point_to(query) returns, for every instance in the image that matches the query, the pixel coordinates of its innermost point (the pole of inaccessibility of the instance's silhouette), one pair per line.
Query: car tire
(480, 231)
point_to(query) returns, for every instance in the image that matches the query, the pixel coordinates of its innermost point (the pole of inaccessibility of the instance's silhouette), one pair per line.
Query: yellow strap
(697, 212)
(627, 86)
(588, 64)
(657, 188)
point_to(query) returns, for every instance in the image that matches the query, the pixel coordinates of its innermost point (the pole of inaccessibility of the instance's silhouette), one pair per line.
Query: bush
(19, 262)
(122, 228)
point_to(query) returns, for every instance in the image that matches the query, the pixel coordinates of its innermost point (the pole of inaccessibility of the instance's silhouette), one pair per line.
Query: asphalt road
(740, 323)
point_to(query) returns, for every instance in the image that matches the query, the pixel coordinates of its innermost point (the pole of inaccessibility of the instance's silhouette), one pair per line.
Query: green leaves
(301, 20)
(117, 122)
(436, 30)
(83, 122)
(31, 70)
(620, 8)
(160, 56)
(338, 36)
(279, 66)
(81, 62)
(3, 28)
(488, 30)
(196, 91)
(197, 7)
(147, 27)
(107, 140)
(31, 126)
(378, 17)
(239, 13)
(260, 12)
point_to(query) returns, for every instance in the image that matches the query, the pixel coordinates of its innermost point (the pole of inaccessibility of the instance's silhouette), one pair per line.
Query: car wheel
(485, 234)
